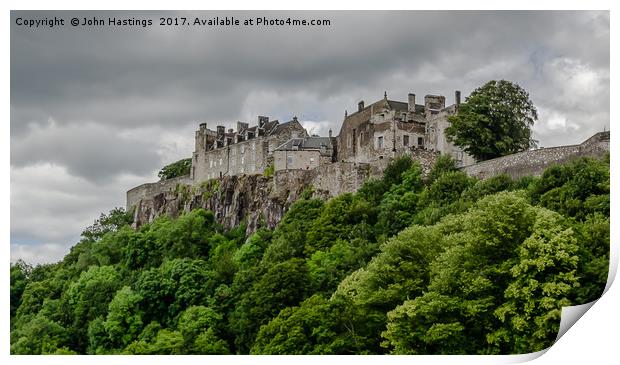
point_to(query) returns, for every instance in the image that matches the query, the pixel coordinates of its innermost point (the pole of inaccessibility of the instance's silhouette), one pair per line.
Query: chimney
(262, 120)
(203, 125)
(457, 98)
(241, 126)
(230, 130)
(360, 106)
(411, 103)
(220, 130)
(330, 133)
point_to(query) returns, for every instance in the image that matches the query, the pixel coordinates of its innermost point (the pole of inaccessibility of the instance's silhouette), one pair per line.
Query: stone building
(247, 150)
(388, 128)
(368, 140)
(304, 153)
(372, 135)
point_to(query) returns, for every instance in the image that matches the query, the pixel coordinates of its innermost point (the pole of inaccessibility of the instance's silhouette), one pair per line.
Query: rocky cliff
(256, 200)
(252, 199)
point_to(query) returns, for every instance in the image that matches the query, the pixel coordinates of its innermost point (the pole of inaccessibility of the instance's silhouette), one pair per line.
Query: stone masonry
(534, 162)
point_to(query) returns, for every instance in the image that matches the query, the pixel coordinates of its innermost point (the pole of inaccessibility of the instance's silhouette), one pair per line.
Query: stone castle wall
(149, 190)
(534, 162)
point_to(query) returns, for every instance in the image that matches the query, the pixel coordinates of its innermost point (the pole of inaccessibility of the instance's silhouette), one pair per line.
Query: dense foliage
(410, 264)
(494, 121)
(176, 169)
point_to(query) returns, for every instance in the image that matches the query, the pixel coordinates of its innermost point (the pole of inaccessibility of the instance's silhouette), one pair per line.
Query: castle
(253, 174)
(381, 130)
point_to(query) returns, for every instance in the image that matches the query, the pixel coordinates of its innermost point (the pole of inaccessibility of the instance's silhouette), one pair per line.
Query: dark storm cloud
(91, 151)
(102, 103)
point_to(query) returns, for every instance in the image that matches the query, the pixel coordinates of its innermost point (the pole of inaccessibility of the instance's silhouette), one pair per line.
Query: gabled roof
(281, 126)
(308, 143)
(399, 106)
(269, 126)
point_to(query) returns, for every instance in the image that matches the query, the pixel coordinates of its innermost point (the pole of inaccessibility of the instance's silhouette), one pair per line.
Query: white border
(594, 337)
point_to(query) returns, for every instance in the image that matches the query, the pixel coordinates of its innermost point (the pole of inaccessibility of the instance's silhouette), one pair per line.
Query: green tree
(110, 222)
(285, 284)
(198, 326)
(124, 320)
(88, 298)
(444, 164)
(176, 169)
(98, 340)
(19, 279)
(38, 336)
(289, 238)
(400, 203)
(498, 289)
(543, 279)
(577, 189)
(398, 272)
(317, 326)
(90, 295)
(344, 217)
(177, 284)
(494, 121)
(593, 237)
(327, 268)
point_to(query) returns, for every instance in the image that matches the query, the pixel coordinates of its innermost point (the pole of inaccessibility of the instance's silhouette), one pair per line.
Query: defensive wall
(534, 162)
(150, 190)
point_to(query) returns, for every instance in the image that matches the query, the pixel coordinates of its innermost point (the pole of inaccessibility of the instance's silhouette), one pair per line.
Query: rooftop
(308, 143)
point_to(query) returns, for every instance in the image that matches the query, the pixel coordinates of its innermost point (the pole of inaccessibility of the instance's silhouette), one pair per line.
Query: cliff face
(254, 199)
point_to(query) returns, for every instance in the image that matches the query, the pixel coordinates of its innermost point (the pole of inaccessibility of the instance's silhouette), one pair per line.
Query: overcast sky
(96, 111)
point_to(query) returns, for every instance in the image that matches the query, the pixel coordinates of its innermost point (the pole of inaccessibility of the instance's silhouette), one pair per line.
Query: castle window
(289, 160)
(242, 160)
(380, 142)
(420, 142)
(242, 149)
(405, 140)
(349, 141)
(311, 159)
(220, 162)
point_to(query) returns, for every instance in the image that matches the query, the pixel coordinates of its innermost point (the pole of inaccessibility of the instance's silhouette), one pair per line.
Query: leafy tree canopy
(442, 263)
(176, 169)
(494, 121)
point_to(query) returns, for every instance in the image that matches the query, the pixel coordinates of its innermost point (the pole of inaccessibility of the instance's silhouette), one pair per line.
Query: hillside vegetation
(442, 264)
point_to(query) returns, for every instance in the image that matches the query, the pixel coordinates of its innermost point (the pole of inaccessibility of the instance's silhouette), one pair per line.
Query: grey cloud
(88, 150)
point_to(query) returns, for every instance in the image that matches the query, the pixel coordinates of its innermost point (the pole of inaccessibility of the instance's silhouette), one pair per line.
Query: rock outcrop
(252, 199)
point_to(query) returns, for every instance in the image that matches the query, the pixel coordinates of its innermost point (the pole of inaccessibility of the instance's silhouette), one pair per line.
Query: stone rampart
(149, 190)
(535, 162)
